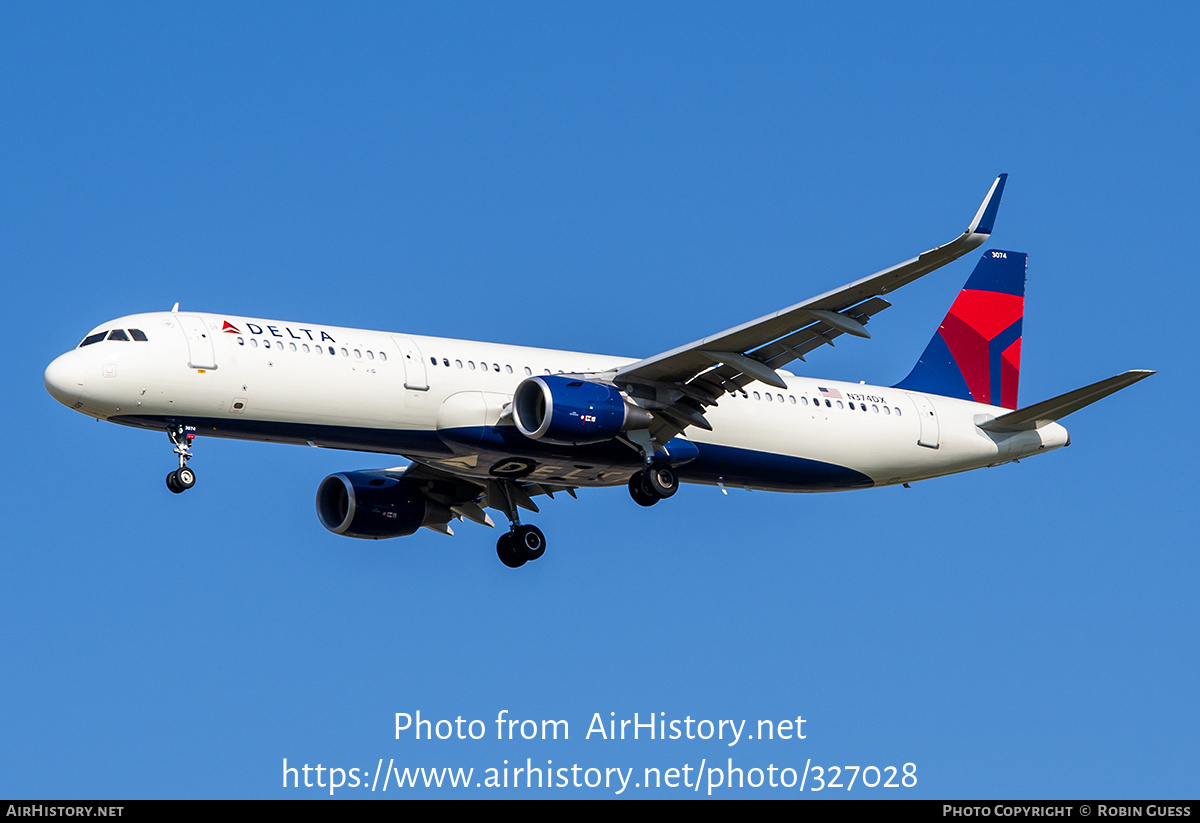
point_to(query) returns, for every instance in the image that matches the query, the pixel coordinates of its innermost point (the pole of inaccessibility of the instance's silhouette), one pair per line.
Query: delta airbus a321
(495, 426)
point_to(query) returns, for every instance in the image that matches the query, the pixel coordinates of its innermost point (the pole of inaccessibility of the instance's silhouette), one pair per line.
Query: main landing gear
(182, 478)
(520, 545)
(657, 481)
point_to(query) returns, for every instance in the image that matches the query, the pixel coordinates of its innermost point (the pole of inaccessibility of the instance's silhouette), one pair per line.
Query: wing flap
(466, 497)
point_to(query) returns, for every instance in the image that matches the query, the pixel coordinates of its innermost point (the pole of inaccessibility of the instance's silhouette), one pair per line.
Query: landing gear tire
(662, 480)
(657, 481)
(181, 480)
(639, 492)
(529, 542)
(506, 550)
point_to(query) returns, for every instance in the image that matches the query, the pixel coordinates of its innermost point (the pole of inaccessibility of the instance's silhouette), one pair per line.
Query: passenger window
(118, 334)
(293, 345)
(446, 362)
(433, 360)
(851, 406)
(840, 404)
(897, 411)
(471, 365)
(496, 366)
(254, 342)
(331, 350)
(241, 341)
(508, 368)
(357, 354)
(138, 335)
(886, 410)
(370, 354)
(306, 348)
(383, 356)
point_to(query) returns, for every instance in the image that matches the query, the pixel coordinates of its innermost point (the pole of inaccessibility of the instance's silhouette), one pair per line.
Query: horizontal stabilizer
(1048, 411)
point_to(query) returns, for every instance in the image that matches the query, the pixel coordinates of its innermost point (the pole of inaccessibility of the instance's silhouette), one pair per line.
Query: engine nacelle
(573, 412)
(372, 506)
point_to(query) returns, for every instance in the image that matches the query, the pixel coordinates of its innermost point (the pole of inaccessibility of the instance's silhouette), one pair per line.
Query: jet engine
(374, 506)
(573, 412)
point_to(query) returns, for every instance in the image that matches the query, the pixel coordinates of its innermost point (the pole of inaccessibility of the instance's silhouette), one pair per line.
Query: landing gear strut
(520, 544)
(182, 478)
(657, 481)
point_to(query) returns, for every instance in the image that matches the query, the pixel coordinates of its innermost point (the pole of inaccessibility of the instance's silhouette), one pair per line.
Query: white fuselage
(441, 402)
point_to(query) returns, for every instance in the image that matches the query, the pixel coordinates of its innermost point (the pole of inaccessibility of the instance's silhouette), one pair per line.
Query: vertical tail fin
(976, 352)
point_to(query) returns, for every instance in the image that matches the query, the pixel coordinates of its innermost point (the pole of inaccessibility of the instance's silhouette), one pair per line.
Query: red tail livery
(976, 353)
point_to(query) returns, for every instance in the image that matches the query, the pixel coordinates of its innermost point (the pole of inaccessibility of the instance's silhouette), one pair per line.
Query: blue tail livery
(976, 353)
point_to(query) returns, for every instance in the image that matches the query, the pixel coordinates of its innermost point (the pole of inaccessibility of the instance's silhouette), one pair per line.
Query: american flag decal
(834, 393)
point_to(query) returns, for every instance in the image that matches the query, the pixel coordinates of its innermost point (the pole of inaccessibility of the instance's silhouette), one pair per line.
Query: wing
(679, 384)
(465, 498)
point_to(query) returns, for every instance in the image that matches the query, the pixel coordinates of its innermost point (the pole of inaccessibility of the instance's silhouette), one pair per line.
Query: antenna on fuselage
(175, 308)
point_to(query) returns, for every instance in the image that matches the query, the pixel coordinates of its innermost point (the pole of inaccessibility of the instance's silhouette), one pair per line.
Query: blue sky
(620, 178)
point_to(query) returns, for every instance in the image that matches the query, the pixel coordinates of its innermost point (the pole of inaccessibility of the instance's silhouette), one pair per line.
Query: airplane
(492, 426)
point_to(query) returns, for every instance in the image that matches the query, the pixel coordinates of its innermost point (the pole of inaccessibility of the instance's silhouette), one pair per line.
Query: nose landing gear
(182, 478)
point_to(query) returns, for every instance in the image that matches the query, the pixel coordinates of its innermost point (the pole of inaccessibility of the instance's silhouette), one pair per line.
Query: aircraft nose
(64, 378)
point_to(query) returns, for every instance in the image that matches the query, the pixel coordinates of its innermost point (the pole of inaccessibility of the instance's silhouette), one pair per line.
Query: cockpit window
(115, 334)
